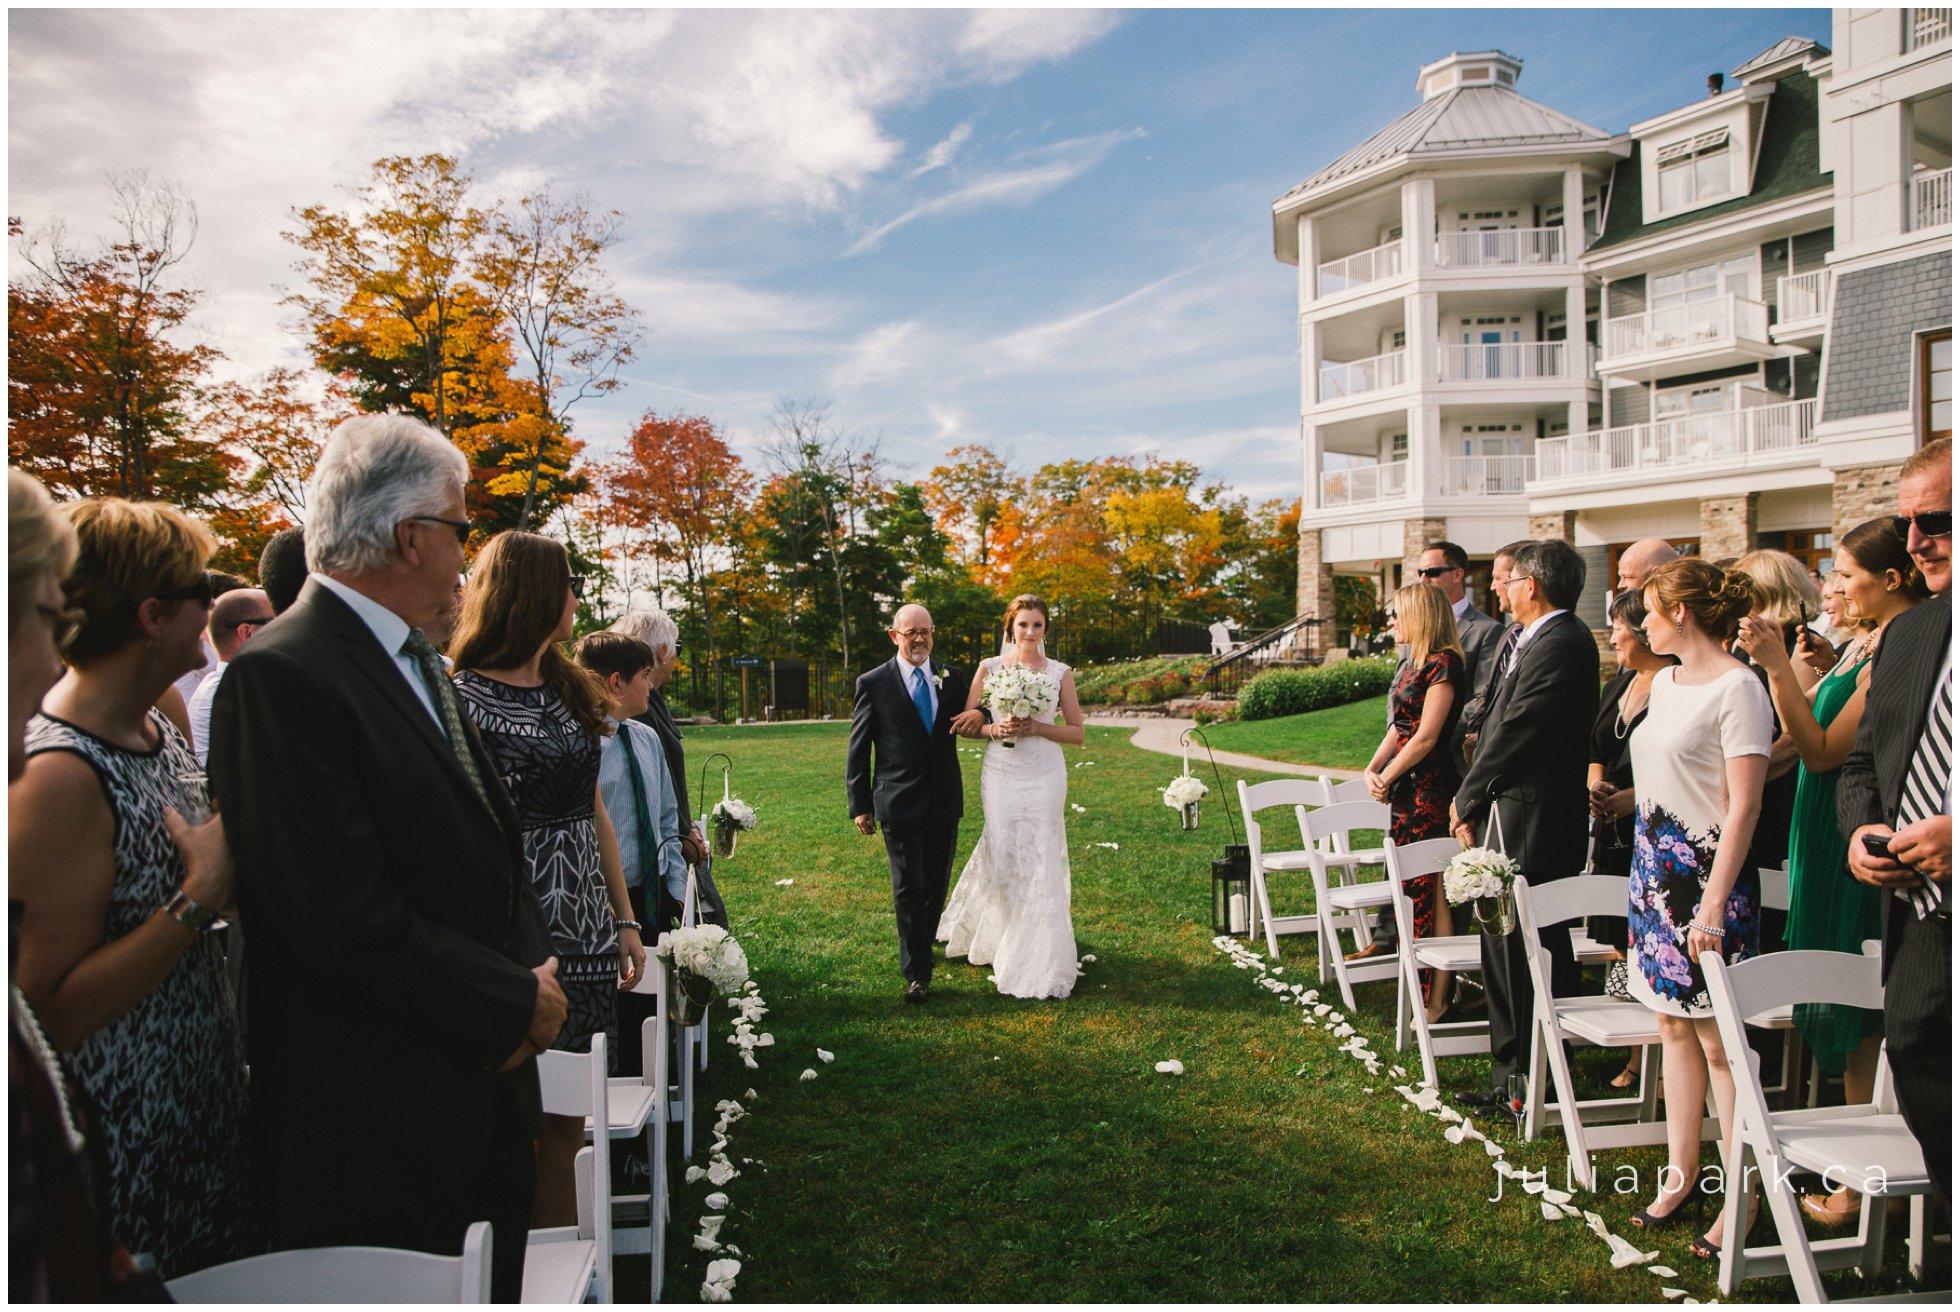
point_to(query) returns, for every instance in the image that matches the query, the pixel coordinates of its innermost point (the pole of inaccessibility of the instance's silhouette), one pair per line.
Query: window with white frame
(1735, 276)
(1398, 446)
(1694, 172)
(1682, 401)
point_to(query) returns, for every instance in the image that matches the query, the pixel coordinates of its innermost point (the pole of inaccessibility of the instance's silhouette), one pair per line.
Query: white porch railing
(1801, 297)
(1501, 247)
(1340, 381)
(1360, 269)
(1496, 361)
(1486, 475)
(1686, 443)
(1929, 26)
(1684, 325)
(1361, 484)
(1932, 199)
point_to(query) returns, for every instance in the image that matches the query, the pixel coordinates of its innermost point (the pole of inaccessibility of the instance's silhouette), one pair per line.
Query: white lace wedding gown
(1010, 908)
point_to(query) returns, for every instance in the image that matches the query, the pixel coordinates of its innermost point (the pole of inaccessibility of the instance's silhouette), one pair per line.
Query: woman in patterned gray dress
(117, 889)
(541, 716)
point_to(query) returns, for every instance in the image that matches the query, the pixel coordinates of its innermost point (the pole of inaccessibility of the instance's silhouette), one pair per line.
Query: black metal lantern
(1231, 890)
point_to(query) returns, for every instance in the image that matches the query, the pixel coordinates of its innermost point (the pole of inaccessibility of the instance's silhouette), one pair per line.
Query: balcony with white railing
(1360, 485)
(1486, 476)
(1929, 27)
(1932, 199)
(1340, 382)
(1496, 362)
(1803, 305)
(1671, 449)
(1503, 248)
(1719, 333)
(1363, 267)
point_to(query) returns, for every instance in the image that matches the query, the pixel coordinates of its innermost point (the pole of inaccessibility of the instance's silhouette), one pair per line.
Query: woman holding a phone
(1829, 910)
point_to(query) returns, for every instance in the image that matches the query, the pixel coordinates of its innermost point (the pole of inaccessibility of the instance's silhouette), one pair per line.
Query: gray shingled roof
(1461, 119)
(1776, 54)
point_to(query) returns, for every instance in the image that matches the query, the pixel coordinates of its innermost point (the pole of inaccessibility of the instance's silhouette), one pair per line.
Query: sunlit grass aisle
(985, 1149)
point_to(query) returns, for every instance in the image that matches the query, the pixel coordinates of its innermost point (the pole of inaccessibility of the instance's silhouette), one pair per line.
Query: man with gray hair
(400, 974)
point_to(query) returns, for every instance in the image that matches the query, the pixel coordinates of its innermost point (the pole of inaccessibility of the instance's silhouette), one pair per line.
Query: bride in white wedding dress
(1010, 909)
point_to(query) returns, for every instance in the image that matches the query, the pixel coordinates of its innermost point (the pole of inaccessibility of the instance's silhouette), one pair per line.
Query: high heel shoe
(1818, 1208)
(1627, 1078)
(1648, 1221)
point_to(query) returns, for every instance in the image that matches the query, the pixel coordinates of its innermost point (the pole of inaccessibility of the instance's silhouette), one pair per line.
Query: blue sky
(1046, 230)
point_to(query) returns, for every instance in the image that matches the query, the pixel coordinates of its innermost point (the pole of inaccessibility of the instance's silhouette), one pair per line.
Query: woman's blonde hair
(1785, 594)
(128, 551)
(1427, 621)
(39, 543)
(512, 605)
(1714, 599)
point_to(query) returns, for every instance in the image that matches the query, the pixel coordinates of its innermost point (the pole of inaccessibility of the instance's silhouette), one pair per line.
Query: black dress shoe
(1478, 1100)
(915, 991)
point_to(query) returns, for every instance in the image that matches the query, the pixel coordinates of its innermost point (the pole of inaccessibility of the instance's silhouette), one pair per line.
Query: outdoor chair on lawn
(1593, 1123)
(1344, 859)
(1333, 902)
(347, 1275)
(1253, 798)
(691, 917)
(569, 1263)
(676, 1067)
(637, 1109)
(1456, 953)
(1867, 1146)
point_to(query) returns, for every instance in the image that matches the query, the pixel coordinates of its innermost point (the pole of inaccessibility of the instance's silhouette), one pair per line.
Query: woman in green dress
(1829, 910)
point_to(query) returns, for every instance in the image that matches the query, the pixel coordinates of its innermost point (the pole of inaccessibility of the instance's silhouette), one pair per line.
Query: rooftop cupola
(1491, 68)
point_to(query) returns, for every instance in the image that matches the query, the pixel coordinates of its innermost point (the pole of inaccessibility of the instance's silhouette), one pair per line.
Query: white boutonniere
(938, 678)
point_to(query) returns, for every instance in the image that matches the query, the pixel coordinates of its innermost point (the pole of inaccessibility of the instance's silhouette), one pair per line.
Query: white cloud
(942, 154)
(1052, 167)
(1001, 43)
(888, 351)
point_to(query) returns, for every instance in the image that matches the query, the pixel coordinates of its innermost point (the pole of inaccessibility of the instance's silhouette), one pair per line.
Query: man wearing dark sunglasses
(235, 617)
(1894, 794)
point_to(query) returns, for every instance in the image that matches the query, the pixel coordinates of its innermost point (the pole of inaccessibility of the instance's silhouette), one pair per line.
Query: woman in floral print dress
(1699, 760)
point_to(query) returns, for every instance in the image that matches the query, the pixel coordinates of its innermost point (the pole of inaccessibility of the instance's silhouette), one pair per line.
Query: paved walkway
(1158, 733)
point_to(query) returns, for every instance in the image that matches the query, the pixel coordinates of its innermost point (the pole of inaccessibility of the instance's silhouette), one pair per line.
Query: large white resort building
(1725, 326)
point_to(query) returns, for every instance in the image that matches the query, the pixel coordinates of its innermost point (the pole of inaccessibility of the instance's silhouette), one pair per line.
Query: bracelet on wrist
(188, 912)
(1715, 931)
(633, 925)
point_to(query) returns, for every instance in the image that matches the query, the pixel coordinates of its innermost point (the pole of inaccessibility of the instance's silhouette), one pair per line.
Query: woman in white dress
(1010, 909)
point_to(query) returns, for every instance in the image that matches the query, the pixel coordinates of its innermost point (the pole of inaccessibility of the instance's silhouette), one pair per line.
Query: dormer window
(1694, 172)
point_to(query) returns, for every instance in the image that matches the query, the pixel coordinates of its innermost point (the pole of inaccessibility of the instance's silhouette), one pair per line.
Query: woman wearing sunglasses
(541, 716)
(117, 887)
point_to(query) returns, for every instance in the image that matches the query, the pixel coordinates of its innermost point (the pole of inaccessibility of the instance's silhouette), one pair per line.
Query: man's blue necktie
(922, 696)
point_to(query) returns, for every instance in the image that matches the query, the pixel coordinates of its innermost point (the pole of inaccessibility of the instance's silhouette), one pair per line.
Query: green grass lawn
(983, 1149)
(1343, 736)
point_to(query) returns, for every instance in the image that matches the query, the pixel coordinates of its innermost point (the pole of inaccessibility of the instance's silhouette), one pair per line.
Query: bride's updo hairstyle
(1715, 599)
(1026, 601)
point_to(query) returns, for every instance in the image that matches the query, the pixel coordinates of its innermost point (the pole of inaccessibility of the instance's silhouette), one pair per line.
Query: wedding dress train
(1010, 908)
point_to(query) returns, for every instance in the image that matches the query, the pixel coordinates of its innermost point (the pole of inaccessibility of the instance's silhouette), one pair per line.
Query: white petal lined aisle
(1551, 1205)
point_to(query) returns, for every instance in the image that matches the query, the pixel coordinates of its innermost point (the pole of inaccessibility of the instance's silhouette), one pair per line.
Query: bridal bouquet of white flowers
(1017, 692)
(1183, 791)
(733, 812)
(707, 952)
(1478, 872)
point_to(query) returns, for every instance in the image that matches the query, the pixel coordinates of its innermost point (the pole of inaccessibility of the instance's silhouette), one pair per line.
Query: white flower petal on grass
(826, 1057)
(1079, 810)
(1568, 1209)
(1492, 1149)
(1535, 1185)
(706, 1243)
(784, 883)
(1664, 1272)
(1595, 1223)
(1454, 1134)
(694, 1173)
(750, 1094)
(807, 1075)
(1171, 1067)
(1088, 956)
(748, 1060)
(766, 1041)
(1557, 1196)
(1673, 1293)
(1549, 1212)
(717, 1202)
(1504, 1169)
(713, 1293)
(720, 1173)
(731, 1249)
(723, 1270)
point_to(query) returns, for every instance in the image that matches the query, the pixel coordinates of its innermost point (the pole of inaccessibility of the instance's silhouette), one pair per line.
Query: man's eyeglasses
(1930, 523)
(1435, 571)
(65, 623)
(1515, 578)
(198, 590)
(913, 633)
(460, 527)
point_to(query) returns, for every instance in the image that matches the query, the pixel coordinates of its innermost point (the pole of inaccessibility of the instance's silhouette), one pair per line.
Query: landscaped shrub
(1140, 682)
(1292, 692)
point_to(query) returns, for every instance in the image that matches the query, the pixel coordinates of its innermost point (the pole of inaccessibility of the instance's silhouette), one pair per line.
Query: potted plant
(706, 961)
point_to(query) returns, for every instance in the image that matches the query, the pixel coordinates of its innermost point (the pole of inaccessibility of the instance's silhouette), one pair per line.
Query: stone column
(1316, 593)
(1559, 524)
(1728, 526)
(1417, 534)
(1860, 493)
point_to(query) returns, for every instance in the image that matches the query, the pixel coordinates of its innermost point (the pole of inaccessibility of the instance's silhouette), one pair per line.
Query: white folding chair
(696, 1040)
(1254, 798)
(1866, 1147)
(569, 1263)
(1590, 1124)
(676, 1070)
(637, 1107)
(1332, 901)
(347, 1275)
(1774, 895)
(1455, 953)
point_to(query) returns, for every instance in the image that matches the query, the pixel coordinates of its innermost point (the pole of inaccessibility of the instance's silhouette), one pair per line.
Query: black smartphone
(1876, 845)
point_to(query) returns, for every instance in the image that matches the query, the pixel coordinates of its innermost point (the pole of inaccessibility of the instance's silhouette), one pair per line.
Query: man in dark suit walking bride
(902, 771)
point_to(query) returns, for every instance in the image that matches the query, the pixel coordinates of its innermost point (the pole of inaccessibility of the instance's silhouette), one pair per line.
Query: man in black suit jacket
(400, 973)
(914, 790)
(1530, 772)
(1483, 686)
(1895, 785)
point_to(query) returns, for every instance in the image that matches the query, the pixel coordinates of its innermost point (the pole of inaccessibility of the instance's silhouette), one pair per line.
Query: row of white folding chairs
(1339, 858)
